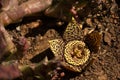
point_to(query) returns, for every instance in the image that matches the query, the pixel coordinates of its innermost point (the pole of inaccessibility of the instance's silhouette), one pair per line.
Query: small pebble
(107, 38)
(62, 74)
(18, 28)
(58, 68)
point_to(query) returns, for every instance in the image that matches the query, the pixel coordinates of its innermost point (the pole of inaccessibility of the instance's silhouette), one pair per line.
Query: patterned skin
(73, 53)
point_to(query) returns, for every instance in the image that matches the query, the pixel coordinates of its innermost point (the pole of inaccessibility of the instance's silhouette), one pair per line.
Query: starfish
(73, 53)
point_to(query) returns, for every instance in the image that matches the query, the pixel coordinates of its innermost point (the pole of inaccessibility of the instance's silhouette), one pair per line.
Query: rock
(107, 38)
(102, 77)
(89, 22)
(62, 74)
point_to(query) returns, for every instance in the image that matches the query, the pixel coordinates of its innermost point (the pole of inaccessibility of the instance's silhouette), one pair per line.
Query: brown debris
(107, 38)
